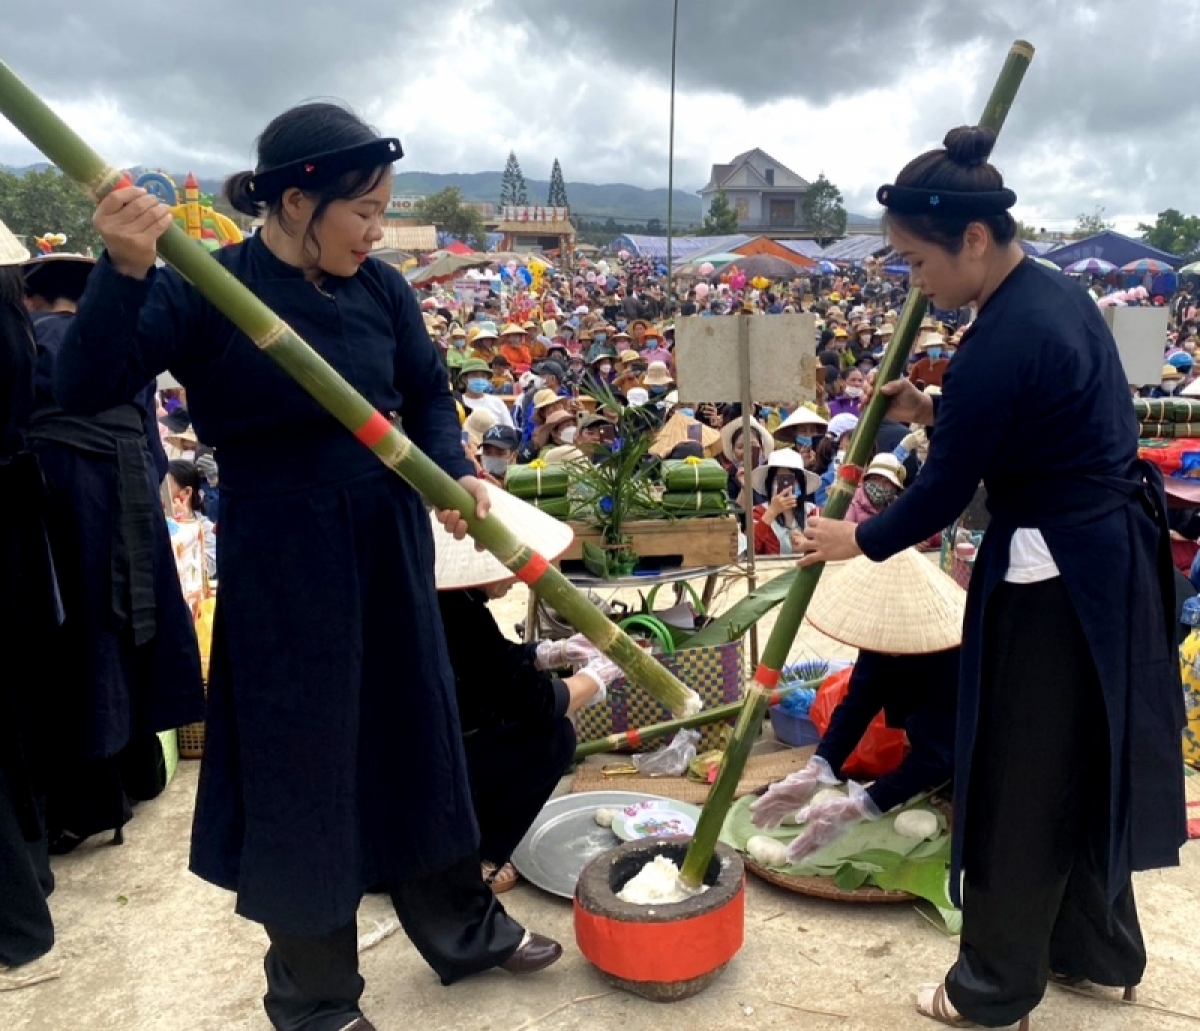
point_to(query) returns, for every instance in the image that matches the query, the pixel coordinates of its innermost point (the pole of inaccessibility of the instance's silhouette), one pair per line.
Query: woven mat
(760, 771)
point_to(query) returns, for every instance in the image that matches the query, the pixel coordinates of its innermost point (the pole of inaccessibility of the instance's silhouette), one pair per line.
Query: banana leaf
(733, 624)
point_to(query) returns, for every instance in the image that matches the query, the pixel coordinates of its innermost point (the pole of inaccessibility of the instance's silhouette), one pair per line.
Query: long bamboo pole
(640, 735)
(700, 852)
(46, 131)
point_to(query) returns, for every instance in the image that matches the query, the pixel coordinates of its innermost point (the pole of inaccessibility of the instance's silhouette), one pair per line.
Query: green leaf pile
(868, 853)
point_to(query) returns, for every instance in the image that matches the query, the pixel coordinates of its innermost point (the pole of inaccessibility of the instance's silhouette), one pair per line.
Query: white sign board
(782, 358)
(1141, 336)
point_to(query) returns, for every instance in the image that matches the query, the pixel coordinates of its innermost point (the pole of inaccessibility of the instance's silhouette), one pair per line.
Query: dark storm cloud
(1107, 113)
(209, 74)
(760, 50)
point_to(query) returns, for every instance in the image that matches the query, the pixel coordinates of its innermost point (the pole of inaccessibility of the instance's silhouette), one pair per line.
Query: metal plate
(565, 838)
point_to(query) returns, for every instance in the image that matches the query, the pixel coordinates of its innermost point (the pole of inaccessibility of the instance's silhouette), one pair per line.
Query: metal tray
(565, 838)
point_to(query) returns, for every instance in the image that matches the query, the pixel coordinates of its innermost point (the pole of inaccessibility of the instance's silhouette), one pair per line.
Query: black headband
(322, 168)
(909, 200)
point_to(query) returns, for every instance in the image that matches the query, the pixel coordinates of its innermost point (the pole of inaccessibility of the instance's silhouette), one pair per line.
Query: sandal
(933, 1002)
(1082, 984)
(500, 879)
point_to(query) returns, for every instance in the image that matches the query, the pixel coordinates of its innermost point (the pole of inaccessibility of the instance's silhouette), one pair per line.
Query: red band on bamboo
(124, 182)
(373, 430)
(675, 951)
(766, 676)
(533, 570)
(851, 474)
(633, 738)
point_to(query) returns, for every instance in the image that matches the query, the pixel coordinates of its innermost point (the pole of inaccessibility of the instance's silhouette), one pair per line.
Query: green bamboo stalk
(712, 818)
(633, 738)
(46, 131)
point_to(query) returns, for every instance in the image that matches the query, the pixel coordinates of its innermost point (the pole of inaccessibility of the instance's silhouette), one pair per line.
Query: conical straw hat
(459, 565)
(12, 251)
(904, 606)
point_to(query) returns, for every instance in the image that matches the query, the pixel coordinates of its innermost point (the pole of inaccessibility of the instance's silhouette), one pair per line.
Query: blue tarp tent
(1110, 246)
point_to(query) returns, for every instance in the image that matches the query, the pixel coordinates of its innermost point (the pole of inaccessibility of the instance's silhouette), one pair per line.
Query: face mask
(838, 459)
(538, 382)
(689, 412)
(934, 352)
(567, 436)
(477, 386)
(804, 442)
(880, 494)
(1168, 384)
(497, 467)
(458, 341)
(605, 368)
(853, 391)
(600, 337)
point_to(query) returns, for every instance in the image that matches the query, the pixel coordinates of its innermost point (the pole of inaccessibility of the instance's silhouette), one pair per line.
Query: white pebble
(604, 817)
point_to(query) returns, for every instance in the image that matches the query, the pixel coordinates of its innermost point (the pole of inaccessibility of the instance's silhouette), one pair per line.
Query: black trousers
(452, 917)
(1035, 895)
(513, 770)
(26, 930)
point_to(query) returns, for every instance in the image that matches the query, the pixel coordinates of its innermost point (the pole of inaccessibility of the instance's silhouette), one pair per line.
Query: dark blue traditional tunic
(1035, 405)
(126, 663)
(333, 756)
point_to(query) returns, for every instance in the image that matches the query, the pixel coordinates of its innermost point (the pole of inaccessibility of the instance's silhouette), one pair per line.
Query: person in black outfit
(1067, 769)
(126, 663)
(30, 612)
(333, 756)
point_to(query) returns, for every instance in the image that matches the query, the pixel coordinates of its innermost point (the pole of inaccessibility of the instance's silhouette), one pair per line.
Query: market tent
(1111, 246)
(446, 267)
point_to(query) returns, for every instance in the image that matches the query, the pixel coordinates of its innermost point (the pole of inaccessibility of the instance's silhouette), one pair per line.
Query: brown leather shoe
(536, 953)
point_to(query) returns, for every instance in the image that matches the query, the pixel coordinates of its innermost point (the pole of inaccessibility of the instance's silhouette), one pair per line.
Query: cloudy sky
(854, 88)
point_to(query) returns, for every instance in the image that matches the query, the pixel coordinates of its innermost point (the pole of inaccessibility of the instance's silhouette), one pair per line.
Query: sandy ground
(148, 946)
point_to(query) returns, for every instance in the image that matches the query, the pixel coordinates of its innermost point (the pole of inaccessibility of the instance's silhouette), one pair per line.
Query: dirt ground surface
(148, 946)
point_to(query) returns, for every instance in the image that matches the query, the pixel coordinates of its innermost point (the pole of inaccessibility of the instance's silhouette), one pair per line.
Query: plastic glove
(573, 651)
(786, 797)
(602, 671)
(828, 821)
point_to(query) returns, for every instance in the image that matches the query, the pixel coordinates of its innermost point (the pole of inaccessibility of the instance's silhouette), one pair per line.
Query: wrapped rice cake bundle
(689, 475)
(1156, 430)
(694, 503)
(1154, 409)
(1186, 429)
(560, 508)
(1184, 409)
(537, 480)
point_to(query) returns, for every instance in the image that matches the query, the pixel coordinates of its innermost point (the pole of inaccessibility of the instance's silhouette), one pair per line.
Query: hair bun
(969, 145)
(237, 192)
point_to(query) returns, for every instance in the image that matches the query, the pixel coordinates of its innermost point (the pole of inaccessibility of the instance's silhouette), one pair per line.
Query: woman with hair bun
(1067, 769)
(333, 757)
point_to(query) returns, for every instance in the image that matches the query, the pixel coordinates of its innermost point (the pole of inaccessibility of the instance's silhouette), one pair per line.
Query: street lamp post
(671, 164)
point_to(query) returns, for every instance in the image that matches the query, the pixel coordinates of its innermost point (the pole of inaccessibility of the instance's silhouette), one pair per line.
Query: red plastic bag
(882, 748)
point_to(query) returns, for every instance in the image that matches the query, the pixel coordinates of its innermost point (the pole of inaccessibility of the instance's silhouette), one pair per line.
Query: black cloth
(333, 756)
(26, 929)
(1035, 405)
(1036, 897)
(917, 694)
(452, 917)
(518, 740)
(126, 662)
(30, 612)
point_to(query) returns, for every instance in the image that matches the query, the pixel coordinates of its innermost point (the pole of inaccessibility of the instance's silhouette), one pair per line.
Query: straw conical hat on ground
(458, 565)
(904, 606)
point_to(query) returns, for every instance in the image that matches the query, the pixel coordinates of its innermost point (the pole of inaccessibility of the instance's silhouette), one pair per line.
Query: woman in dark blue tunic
(1068, 773)
(125, 663)
(333, 753)
(29, 616)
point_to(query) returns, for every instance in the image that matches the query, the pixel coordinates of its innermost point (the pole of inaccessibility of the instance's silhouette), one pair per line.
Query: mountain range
(589, 201)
